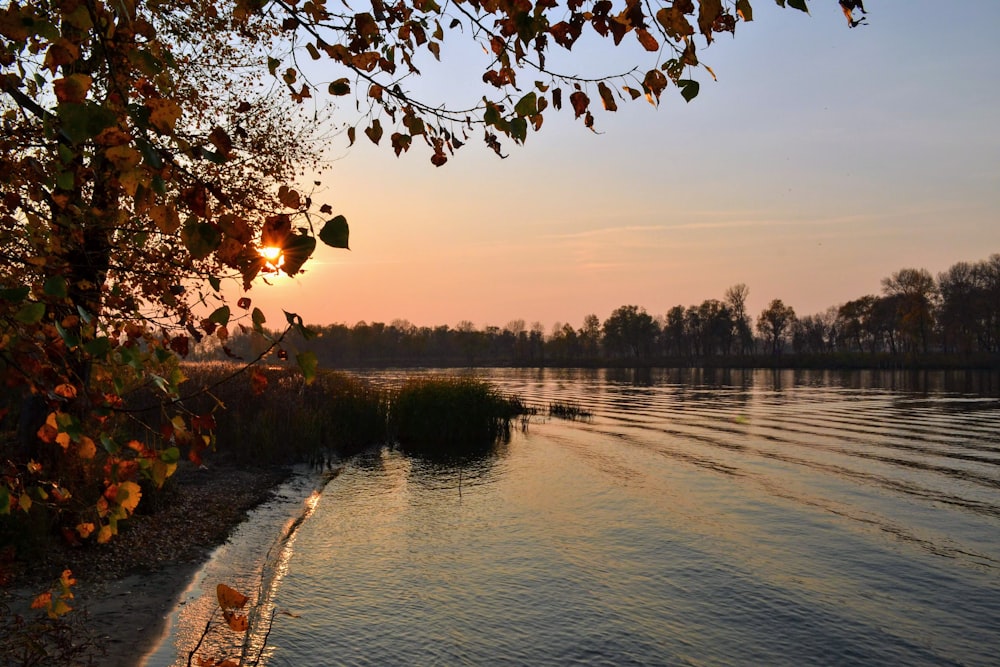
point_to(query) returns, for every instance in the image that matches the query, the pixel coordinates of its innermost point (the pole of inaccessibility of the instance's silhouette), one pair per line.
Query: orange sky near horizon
(823, 160)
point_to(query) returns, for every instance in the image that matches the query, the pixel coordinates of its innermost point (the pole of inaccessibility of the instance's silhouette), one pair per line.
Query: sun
(272, 256)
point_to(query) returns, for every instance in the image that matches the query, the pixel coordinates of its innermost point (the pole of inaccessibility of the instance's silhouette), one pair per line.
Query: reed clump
(270, 416)
(445, 416)
(570, 411)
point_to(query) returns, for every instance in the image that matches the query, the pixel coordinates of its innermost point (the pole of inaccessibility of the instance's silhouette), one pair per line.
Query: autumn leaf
(85, 529)
(104, 535)
(580, 102)
(237, 622)
(163, 114)
(87, 448)
(42, 601)
(65, 390)
(230, 598)
(72, 88)
(128, 495)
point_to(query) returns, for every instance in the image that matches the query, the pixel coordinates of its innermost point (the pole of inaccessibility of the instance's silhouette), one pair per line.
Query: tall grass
(288, 421)
(338, 415)
(444, 416)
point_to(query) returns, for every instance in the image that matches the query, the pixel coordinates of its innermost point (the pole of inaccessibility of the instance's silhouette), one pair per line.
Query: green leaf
(79, 122)
(527, 105)
(519, 129)
(799, 5)
(296, 250)
(170, 455)
(30, 313)
(335, 233)
(15, 294)
(689, 88)
(65, 180)
(258, 319)
(70, 339)
(98, 347)
(200, 238)
(55, 286)
(215, 283)
(220, 316)
(295, 321)
(307, 364)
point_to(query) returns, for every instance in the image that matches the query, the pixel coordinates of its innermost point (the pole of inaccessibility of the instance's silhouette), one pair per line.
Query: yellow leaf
(104, 535)
(128, 496)
(88, 449)
(34, 467)
(163, 114)
(123, 157)
(63, 440)
(60, 609)
(85, 529)
(230, 598)
(24, 502)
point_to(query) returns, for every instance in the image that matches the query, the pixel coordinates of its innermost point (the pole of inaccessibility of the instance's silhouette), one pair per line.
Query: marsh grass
(338, 415)
(445, 416)
(569, 411)
(289, 421)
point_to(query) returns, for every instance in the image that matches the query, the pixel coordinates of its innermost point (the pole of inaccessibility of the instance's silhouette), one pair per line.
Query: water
(697, 519)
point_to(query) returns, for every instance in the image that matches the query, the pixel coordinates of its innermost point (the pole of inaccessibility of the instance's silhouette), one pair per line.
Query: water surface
(737, 518)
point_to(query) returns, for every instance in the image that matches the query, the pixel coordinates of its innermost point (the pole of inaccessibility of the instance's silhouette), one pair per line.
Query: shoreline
(127, 588)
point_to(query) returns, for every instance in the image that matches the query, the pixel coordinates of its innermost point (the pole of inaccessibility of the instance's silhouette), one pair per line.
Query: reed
(569, 411)
(445, 416)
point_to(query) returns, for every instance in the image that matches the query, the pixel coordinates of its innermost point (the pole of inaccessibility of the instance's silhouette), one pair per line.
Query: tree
(774, 322)
(736, 299)
(630, 331)
(149, 152)
(914, 292)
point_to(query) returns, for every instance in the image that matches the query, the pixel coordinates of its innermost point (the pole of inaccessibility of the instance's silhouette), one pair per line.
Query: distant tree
(774, 323)
(855, 324)
(914, 292)
(590, 336)
(673, 337)
(630, 331)
(736, 298)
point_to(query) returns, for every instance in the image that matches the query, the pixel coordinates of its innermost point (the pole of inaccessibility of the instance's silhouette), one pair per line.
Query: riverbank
(128, 587)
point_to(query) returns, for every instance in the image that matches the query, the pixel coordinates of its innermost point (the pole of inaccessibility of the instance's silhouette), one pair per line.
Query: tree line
(915, 316)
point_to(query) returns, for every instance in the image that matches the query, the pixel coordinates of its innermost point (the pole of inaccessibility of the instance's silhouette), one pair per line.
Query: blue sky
(822, 160)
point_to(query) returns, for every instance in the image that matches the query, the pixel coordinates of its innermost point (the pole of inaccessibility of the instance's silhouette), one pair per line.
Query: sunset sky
(822, 160)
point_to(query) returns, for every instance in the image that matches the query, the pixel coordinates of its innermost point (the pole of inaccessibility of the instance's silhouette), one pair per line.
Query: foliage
(48, 634)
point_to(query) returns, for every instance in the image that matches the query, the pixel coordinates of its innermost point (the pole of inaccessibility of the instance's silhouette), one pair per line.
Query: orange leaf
(85, 529)
(230, 598)
(65, 390)
(42, 601)
(88, 449)
(104, 535)
(128, 496)
(237, 622)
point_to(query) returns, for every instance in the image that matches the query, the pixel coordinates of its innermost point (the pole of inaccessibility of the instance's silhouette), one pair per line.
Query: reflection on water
(700, 517)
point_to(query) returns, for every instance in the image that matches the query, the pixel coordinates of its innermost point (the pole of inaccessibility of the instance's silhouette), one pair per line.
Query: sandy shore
(128, 587)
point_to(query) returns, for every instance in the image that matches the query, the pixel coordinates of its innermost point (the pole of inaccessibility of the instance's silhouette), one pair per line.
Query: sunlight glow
(273, 257)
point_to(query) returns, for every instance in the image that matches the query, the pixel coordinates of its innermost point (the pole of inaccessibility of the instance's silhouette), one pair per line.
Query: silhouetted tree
(630, 331)
(774, 323)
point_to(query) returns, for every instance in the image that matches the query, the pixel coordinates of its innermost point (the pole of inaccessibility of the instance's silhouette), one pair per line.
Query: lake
(696, 518)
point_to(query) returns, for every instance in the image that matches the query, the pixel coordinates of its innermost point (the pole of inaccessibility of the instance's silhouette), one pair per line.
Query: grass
(569, 411)
(444, 417)
(339, 415)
